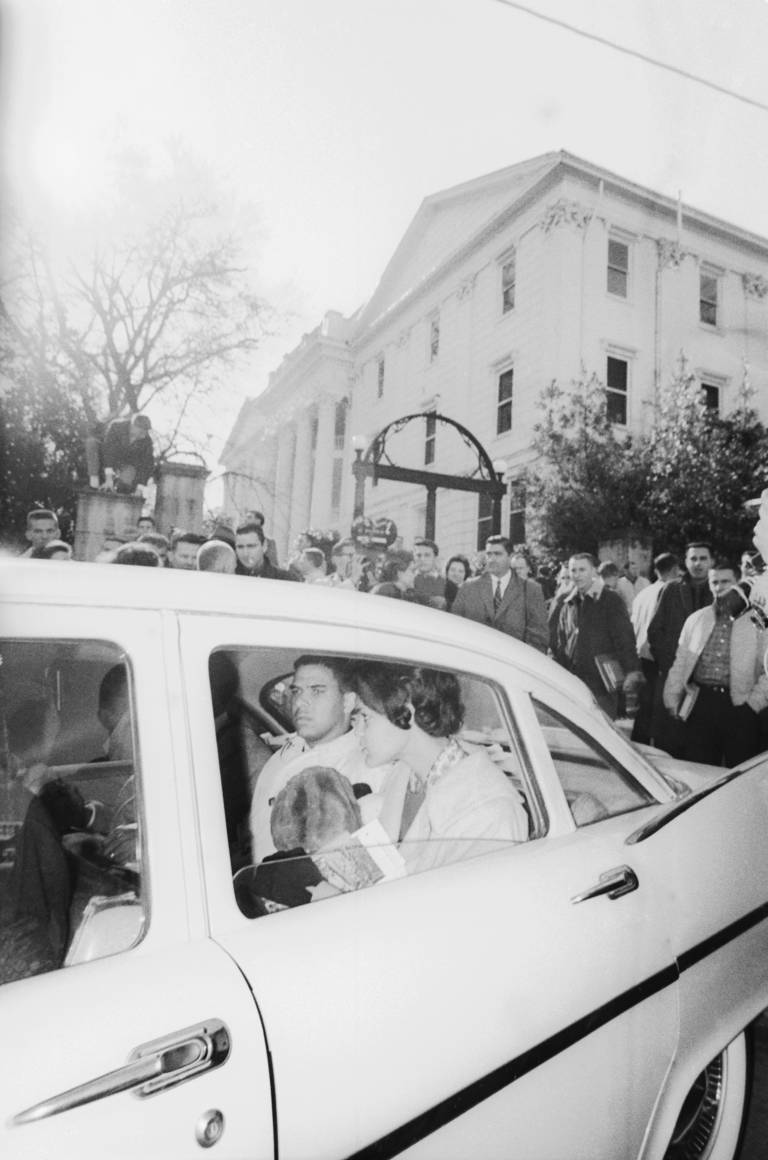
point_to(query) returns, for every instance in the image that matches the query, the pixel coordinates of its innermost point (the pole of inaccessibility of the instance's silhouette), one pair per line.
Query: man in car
(321, 709)
(252, 559)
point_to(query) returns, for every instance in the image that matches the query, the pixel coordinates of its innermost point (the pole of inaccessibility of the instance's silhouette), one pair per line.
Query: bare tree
(156, 319)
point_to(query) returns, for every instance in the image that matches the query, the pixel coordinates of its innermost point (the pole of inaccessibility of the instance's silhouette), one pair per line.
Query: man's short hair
(505, 542)
(138, 554)
(424, 543)
(249, 528)
(254, 517)
(723, 564)
(216, 556)
(147, 519)
(607, 568)
(583, 556)
(665, 563)
(182, 537)
(142, 421)
(41, 514)
(698, 544)
(47, 551)
(339, 666)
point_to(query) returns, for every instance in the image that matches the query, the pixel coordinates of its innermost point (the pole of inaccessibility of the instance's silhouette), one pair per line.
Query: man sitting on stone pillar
(128, 454)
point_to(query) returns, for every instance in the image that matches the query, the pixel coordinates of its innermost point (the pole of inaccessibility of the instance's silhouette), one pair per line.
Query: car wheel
(713, 1115)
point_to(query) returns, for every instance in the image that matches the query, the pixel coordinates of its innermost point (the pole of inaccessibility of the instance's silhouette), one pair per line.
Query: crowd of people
(679, 652)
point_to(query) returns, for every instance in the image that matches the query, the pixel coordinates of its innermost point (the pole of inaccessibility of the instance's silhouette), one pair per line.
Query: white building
(538, 272)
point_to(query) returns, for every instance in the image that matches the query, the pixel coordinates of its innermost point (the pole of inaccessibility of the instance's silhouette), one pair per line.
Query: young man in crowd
(429, 582)
(718, 666)
(42, 526)
(502, 600)
(183, 550)
(251, 555)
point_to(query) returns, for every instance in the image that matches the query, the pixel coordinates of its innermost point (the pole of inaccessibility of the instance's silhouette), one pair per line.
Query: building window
(434, 338)
(380, 376)
(618, 268)
(484, 519)
(429, 442)
(336, 479)
(710, 393)
(504, 405)
(517, 513)
(708, 298)
(340, 425)
(508, 284)
(616, 379)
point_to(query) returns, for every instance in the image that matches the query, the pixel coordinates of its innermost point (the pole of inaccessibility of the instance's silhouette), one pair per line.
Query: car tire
(714, 1114)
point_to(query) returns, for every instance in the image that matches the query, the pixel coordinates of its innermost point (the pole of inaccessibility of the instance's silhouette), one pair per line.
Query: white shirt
(643, 608)
(501, 582)
(342, 754)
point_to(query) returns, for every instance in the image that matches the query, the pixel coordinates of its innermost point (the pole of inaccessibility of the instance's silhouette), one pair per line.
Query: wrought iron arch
(376, 463)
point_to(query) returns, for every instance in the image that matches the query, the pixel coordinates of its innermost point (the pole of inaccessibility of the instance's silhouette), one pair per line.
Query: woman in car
(445, 801)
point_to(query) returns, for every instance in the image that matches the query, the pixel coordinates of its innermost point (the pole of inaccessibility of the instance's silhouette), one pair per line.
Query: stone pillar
(102, 515)
(281, 513)
(320, 510)
(179, 502)
(302, 477)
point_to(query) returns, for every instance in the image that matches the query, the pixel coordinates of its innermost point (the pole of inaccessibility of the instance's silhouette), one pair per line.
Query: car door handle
(154, 1066)
(613, 883)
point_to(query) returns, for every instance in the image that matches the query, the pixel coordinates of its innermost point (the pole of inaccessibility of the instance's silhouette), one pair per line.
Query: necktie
(496, 598)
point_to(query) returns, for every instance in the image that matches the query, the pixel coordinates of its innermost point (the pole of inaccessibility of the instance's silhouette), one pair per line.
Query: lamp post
(359, 444)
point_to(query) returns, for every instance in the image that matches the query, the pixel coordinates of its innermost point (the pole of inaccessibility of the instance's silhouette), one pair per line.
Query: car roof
(91, 585)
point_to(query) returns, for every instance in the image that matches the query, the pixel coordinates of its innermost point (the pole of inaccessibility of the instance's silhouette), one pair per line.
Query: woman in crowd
(397, 576)
(444, 801)
(457, 570)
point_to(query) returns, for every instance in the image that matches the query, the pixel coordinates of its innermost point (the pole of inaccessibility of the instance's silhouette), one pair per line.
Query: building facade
(547, 270)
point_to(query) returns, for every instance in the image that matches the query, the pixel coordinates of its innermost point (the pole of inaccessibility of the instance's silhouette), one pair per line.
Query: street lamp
(359, 444)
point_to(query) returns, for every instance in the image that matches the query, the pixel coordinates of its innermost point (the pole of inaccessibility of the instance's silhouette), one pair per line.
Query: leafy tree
(701, 468)
(586, 485)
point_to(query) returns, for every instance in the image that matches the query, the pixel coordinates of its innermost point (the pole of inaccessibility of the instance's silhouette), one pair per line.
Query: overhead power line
(634, 53)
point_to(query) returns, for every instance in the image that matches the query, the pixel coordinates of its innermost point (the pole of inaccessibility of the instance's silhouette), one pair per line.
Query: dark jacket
(267, 571)
(118, 450)
(522, 613)
(679, 598)
(604, 628)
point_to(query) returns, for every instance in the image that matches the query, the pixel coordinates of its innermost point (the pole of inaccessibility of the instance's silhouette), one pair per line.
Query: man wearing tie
(499, 598)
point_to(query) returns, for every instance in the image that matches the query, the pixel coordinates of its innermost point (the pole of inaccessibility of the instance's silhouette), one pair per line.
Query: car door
(508, 999)
(148, 1039)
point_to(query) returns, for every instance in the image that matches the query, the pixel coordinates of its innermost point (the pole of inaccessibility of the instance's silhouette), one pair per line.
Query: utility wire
(634, 52)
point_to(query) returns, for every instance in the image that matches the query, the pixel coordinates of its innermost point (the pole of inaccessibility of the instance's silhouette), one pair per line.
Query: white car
(585, 993)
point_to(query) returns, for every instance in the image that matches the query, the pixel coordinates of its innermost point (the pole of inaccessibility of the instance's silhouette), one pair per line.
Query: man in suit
(502, 600)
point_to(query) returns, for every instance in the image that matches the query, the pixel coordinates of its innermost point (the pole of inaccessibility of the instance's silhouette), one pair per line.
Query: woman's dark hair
(460, 560)
(394, 564)
(430, 697)
(135, 553)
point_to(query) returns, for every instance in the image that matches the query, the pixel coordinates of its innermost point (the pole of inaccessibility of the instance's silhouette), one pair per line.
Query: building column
(302, 478)
(281, 510)
(320, 512)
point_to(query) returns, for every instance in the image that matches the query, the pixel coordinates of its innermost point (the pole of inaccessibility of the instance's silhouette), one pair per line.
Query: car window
(70, 819)
(596, 785)
(334, 794)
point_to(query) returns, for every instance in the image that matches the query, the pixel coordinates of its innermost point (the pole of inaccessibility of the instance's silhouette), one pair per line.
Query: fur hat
(316, 806)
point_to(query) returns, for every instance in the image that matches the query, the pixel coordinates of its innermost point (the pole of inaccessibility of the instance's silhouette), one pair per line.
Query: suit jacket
(676, 603)
(522, 612)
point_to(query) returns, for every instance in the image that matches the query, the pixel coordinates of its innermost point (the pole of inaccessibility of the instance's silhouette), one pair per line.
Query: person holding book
(717, 684)
(591, 635)
(444, 801)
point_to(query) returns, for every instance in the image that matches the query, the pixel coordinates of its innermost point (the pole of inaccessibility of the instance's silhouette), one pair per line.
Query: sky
(326, 122)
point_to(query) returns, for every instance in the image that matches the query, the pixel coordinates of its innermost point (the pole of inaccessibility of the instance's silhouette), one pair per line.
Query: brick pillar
(320, 511)
(179, 502)
(100, 515)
